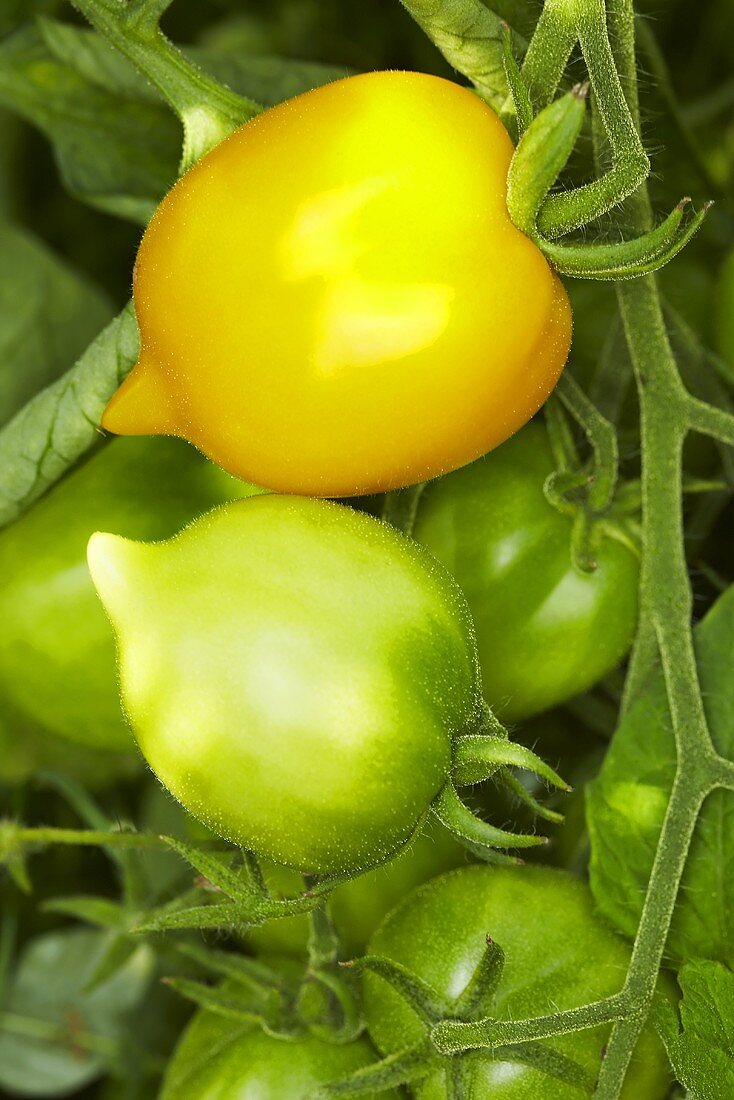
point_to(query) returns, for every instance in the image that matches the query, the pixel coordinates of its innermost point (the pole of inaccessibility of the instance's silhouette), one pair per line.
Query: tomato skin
(57, 659)
(223, 1059)
(366, 321)
(294, 672)
(359, 905)
(545, 630)
(558, 955)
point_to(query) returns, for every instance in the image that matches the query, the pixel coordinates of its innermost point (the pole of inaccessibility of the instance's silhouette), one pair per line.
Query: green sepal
(172, 917)
(405, 1068)
(466, 826)
(92, 910)
(549, 1062)
(323, 943)
(264, 1012)
(251, 973)
(329, 1008)
(533, 804)
(627, 259)
(490, 855)
(216, 867)
(251, 900)
(417, 993)
(582, 533)
(560, 487)
(541, 155)
(518, 88)
(482, 983)
(477, 757)
(601, 434)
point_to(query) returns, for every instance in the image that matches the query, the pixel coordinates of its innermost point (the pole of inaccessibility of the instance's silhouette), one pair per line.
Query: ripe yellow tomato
(334, 300)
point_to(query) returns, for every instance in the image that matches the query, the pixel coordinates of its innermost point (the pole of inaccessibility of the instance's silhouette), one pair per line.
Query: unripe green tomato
(558, 955)
(219, 1058)
(57, 658)
(545, 630)
(294, 672)
(359, 905)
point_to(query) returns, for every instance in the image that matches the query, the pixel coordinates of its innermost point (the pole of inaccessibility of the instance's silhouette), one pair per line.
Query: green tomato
(57, 660)
(224, 1059)
(295, 673)
(545, 630)
(558, 956)
(359, 905)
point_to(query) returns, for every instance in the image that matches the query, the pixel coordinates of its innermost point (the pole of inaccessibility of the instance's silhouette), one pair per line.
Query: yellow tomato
(334, 301)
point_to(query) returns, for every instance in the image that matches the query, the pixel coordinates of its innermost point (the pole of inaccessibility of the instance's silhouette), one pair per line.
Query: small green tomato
(295, 673)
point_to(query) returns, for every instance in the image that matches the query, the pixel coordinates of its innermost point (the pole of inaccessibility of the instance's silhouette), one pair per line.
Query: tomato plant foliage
(626, 805)
(367, 286)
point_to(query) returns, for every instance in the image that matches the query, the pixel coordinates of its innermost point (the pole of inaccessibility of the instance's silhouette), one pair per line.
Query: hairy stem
(452, 1036)
(208, 110)
(666, 599)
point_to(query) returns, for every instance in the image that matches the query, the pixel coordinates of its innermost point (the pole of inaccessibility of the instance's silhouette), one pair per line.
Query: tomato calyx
(439, 1050)
(328, 1000)
(547, 140)
(231, 892)
(486, 752)
(568, 493)
(283, 999)
(588, 492)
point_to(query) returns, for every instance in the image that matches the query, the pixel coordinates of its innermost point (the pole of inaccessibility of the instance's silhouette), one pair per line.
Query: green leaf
(224, 1001)
(116, 152)
(173, 918)
(54, 1036)
(627, 801)
(702, 1051)
(241, 970)
(48, 315)
(60, 424)
(217, 868)
(15, 12)
(269, 80)
(92, 910)
(118, 951)
(92, 57)
(469, 35)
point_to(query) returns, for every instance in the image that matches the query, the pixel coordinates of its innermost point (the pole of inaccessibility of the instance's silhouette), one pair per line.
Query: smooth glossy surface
(57, 657)
(334, 301)
(545, 630)
(294, 672)
(558, 956)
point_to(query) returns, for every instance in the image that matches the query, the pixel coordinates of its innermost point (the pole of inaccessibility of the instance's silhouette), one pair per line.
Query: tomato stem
(208, 110)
